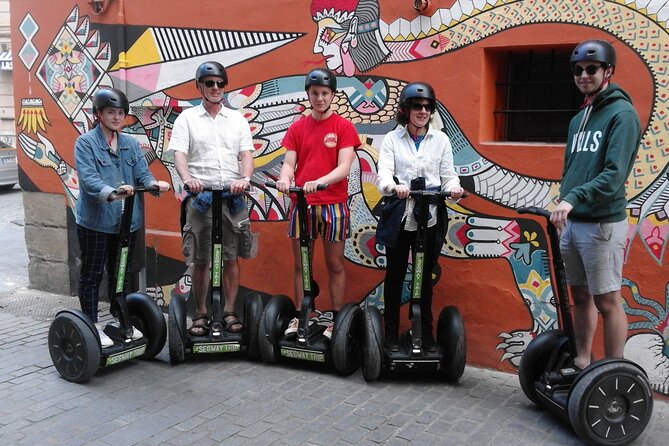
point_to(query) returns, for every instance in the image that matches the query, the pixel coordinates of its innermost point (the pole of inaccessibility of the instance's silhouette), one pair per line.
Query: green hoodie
(599, 158)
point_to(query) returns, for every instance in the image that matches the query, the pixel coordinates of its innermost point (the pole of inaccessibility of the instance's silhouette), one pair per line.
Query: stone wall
(47, 242)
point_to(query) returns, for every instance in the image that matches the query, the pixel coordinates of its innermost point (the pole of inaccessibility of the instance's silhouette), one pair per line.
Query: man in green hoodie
(602, 145)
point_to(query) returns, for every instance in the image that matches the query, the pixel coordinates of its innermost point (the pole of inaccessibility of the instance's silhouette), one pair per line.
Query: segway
(610, 402)
(310, 343)
(448, 359)
(74, 342)
(217, 339)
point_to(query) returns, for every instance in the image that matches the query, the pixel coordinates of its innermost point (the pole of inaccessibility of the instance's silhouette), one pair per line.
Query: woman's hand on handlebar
(311, 186)
(402, 191)
(163, 186)
(456, 193)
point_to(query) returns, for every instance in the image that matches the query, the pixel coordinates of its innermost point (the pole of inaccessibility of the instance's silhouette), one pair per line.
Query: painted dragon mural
(351, 38)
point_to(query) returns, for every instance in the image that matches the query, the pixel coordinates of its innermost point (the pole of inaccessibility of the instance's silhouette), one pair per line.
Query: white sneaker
(136, 334)
(328, 330)
(292, 326)
(105, 341)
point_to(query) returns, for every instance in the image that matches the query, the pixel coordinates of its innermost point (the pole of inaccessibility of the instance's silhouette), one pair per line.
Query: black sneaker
(429, 344)
(393, 344)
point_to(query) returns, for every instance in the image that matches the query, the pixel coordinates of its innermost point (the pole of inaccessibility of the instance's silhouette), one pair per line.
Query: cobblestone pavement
(232, 401)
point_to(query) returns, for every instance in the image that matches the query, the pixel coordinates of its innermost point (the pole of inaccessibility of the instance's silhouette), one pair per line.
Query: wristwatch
(247, 179)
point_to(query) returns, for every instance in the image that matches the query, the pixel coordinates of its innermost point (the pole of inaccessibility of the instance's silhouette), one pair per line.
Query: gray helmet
(110, 97)
(417, 90)
(321, 76)
(211, 69)
(596, 51)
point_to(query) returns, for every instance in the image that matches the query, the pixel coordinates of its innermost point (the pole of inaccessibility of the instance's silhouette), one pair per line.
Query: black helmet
(110, 97)
(417, 90)
(594, 50)
(321, 76)
(211, 69)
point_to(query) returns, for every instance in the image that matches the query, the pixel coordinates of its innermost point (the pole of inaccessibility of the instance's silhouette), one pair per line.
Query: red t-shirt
(317, 144)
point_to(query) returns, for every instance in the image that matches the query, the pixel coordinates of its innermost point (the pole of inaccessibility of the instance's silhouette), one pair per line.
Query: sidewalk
(232, 401)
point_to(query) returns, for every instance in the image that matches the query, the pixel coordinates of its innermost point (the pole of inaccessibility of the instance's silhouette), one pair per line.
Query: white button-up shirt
(212, 144)
(433, 160)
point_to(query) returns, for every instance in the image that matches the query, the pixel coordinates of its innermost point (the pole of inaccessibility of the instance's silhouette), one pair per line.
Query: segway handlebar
(535, 211)
(433, 193)
(118, 195)
(225, 188)
(294, 189)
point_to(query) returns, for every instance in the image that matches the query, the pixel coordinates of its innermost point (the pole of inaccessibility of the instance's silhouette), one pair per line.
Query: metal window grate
(538, 96)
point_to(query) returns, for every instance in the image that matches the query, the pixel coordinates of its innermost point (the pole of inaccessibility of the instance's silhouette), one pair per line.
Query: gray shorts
(238, 240)
(593, 254)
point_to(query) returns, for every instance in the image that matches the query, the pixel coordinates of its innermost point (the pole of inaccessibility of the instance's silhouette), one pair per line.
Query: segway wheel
(372, 344)
(74, 347)
(147, 316)
(176, 317)
(611, 404)
(274, 320)
(453, 343)
(347, 332)
(253, 309)
(535, 359)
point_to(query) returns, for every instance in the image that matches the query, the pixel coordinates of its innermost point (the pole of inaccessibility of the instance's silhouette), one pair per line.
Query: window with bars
(536, 96)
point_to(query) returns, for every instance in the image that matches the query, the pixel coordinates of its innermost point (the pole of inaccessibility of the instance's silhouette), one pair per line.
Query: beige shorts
(238, 240)
(593, 254)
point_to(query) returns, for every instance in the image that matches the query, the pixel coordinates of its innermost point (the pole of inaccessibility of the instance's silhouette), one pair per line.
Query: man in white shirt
(213, 147)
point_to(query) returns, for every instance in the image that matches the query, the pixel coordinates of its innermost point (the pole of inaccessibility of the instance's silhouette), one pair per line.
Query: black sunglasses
(590, 69)
(417, 106)
(210, 83)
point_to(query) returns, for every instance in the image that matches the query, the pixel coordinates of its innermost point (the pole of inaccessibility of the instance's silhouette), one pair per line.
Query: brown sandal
(232, 322)
(200, 326)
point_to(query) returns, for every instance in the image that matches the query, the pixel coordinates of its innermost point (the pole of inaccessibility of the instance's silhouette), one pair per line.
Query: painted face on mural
(586, 82)
(332, 43)
(320, 98)
(112, 118)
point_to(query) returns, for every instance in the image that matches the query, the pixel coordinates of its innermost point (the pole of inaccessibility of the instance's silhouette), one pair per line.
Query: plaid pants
(98, 249)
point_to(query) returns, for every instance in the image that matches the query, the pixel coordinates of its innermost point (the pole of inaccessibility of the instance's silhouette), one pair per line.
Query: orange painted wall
(485, 290)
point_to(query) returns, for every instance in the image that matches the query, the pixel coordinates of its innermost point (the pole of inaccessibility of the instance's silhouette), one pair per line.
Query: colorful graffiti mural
(493, 261)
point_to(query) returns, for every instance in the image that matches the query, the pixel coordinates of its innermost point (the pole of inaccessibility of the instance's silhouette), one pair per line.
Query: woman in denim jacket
(109, 165)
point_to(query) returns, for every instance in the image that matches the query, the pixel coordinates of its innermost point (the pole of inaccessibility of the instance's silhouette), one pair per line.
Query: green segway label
(418, 275)
(306, 275)
(216, 266)
(125, 356)
(217, 347)
(122, 264)
(305, 355)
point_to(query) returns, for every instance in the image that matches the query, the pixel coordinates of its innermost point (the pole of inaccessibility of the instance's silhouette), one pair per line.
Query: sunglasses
(210, 83)
(416, 106)
(590, 69)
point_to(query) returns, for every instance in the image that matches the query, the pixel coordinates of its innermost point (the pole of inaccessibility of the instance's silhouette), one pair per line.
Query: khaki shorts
(238, 240)
(593, 254)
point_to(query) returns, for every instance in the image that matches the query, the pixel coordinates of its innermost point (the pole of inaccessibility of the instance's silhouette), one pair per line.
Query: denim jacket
(100, 172)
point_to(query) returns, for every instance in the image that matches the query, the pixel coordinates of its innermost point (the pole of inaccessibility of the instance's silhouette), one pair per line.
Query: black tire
(372, 344)
(176, 316)
(346, 339)
(147, 316)
(274, 320)
(74, 346)
(452, 340)
(253, 310)
(610, 404)
(535, 359)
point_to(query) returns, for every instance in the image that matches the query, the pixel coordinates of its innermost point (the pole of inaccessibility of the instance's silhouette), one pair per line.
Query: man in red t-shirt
(320, 150)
